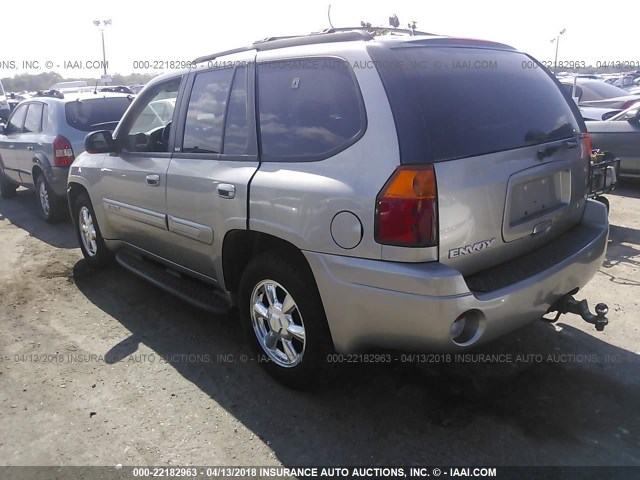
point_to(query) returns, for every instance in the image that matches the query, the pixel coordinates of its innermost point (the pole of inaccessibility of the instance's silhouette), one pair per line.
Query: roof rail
(273, 43)
(377, 29)
(49, 93)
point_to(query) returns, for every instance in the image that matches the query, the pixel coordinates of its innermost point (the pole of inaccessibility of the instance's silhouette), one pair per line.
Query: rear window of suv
(96, 113)
(456, 102)
(309, 109)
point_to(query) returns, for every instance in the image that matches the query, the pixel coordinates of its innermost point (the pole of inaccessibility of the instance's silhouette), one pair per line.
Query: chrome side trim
(142, 215)
(192, 230)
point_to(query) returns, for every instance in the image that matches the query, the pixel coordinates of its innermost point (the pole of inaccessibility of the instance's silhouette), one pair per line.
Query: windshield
(473, 101)
(600, 91)
(96, 114)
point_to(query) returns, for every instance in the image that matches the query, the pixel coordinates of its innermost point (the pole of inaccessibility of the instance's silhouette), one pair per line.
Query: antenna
(329, 15)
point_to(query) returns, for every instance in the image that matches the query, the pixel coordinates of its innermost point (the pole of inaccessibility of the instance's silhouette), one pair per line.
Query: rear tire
(284, 320)
(90, 239)
(7, 187)
(52, 208)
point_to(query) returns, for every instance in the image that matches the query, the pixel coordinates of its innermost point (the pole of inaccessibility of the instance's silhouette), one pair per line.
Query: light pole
(557, 40)
(102, 25)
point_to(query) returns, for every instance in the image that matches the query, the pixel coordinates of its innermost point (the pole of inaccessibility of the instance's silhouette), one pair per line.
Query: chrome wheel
(87, 231)
(44, 199)
(277, 323)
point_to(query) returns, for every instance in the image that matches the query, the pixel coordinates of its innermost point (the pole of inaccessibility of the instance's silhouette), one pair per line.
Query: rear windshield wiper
(550, 150)
(563, 132)
(113, 122)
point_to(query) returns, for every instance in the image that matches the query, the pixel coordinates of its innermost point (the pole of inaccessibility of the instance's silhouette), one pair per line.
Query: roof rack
(272, 43)
(50, 93)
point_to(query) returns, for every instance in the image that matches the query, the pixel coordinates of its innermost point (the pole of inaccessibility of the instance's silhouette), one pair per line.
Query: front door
(133, 181)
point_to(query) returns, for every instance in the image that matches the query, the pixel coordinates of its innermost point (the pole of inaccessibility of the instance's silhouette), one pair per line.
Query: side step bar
(191, 291)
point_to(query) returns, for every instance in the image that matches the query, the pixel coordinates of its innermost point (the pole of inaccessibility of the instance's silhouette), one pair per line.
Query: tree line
(43, 81)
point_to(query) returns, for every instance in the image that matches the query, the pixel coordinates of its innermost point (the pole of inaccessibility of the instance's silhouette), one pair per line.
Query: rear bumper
(376, 304)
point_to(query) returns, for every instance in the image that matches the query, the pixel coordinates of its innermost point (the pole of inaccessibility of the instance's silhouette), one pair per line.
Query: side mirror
(635, 118)
(99, 142)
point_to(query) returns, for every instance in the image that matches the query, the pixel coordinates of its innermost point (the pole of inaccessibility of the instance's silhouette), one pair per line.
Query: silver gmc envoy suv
(348, 191)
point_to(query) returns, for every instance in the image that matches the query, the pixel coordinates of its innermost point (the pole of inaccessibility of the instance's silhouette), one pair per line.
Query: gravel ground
(104, 369)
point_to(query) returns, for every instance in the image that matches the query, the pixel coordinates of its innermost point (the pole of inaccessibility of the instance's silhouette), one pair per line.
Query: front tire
(7, 187)
(90, 239)
(52, 208)
(284, 320)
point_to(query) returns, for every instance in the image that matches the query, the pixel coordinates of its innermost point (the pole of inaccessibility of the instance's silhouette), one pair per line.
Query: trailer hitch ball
(602, 309)
(568, 304)
(601, 320)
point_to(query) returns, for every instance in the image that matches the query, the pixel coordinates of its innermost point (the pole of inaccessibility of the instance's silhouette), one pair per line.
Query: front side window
(308, 109)
(205, 114)
(151, 121)
(33, 121)
(17, 120)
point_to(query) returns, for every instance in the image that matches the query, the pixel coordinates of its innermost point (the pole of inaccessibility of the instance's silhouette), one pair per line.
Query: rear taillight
(407, 209)
(585, 147)
(62, 152)
(628, 103)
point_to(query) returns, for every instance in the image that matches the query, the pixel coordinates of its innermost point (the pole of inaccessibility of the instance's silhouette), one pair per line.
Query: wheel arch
(74, 189)
(39, 165)
(241, 246)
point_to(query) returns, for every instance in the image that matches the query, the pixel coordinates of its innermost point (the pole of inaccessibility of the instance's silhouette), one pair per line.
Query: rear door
(29, 142)
(133, 182)
(509, 161)
(214, 159)
(10, 139)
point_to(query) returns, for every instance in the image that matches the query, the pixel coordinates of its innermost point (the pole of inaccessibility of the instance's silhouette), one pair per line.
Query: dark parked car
(42, 138)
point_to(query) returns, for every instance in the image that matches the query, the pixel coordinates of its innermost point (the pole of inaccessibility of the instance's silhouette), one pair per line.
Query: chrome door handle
(226, 190)
(30, 148)
(153, 180)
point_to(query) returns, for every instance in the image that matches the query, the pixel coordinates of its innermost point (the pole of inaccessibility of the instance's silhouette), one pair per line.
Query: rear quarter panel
(298, 201)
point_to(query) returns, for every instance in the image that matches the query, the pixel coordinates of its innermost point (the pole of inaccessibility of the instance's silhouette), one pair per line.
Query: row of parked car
(612, 115)
(336, 211)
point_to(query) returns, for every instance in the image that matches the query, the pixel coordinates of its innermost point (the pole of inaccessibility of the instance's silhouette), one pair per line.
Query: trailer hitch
(568, 304)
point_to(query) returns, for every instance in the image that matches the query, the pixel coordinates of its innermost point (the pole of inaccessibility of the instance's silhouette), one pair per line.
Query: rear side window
(308, 109)
(456, 102)
(205, 115)
(236, 131)
(96, 113)
(33, 122)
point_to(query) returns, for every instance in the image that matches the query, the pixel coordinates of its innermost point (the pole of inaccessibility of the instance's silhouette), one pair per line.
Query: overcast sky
(63, 30)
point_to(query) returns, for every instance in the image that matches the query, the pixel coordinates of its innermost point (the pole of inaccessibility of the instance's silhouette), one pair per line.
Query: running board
(191, 291)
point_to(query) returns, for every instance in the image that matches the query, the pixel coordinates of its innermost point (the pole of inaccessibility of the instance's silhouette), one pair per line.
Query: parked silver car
(348, 191)
(620, 135)
(42, 138)
(596, 93)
